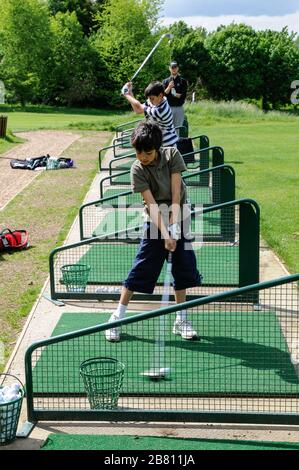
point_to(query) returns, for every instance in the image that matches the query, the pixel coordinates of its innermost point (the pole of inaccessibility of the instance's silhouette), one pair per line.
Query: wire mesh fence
(199, 159)
(121, 145)
(243, 366)
(220, 188)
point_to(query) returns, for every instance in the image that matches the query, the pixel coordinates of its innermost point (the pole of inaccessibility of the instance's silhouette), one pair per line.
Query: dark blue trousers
(149, 261)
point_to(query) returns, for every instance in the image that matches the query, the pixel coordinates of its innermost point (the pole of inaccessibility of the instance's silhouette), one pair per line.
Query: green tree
(72, 75)
(233, 70)
(189, 51)
(179, 29)
(279, 66)
(127, 33)
(84, 9)
(25, 48)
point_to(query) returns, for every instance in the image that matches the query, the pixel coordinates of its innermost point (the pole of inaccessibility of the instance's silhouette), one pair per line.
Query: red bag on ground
(13, 240)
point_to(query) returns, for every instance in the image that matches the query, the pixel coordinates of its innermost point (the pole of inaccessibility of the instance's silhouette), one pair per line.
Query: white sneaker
(184, 329)
(114, 333)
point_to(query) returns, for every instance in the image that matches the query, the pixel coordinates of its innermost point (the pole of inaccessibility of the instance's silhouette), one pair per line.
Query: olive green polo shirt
(157, 177)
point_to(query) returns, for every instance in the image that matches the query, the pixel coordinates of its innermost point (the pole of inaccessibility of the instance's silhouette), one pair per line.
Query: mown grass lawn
(265, 156)
(47, 117)
(8, 142)
(46, 208)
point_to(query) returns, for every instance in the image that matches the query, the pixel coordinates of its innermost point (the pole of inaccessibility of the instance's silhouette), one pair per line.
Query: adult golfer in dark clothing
(175, 92)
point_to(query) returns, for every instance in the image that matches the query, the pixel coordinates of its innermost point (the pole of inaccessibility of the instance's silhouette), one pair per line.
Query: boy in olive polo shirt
(156, 174)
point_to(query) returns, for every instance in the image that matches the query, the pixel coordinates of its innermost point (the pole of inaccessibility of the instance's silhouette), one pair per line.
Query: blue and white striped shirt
(162, 114)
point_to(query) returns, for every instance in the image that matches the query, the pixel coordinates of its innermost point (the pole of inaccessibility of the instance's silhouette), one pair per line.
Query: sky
(260, 14)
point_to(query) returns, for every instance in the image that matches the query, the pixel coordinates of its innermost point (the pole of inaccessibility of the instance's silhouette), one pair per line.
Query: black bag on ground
(29, 163)
(185, 146)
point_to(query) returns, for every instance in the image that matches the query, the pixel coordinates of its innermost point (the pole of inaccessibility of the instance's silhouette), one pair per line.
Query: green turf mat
(125, 179)
(122, 179)
(123, 442)
(239, 352)
(123, 166)
(111, 263)
(129, 199)
(118, 220)
(197, 195)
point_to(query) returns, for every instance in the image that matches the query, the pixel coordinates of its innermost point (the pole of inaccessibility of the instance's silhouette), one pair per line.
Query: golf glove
(125, 90)
(174, 231)
(173, 92)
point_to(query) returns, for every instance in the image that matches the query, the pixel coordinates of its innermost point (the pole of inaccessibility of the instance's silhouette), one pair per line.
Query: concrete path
(38, 143)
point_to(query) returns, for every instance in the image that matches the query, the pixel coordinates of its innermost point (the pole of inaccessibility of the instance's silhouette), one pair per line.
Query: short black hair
(154, 89)
(147, 136)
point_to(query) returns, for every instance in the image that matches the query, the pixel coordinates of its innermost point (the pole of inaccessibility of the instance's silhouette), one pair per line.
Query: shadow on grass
(252, 355)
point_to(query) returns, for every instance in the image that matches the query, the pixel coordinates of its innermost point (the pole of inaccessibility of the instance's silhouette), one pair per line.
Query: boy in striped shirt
(156, 108)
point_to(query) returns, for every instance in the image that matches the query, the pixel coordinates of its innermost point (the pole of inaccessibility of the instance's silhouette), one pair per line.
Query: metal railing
(243, 368)
(120, 155)
(220, 188)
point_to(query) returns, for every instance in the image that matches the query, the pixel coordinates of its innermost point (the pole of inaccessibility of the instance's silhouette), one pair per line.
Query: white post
(193, 97)
(2, 92)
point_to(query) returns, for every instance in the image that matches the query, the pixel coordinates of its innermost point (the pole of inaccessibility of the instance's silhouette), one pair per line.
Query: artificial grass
(111, 262)
(148, 443)
(196, 195)
(241, 353)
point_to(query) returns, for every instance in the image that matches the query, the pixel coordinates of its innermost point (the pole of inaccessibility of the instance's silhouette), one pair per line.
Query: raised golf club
(166, 35)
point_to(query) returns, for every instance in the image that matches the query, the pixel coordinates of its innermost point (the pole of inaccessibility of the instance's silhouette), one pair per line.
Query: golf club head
(157, 373)
(169, 36)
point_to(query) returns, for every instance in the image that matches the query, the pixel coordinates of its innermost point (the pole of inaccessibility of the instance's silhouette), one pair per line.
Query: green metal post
(249, 243)
(227, 193)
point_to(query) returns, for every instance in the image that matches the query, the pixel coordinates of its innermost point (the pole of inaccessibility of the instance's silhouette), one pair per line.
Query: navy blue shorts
(149, 262)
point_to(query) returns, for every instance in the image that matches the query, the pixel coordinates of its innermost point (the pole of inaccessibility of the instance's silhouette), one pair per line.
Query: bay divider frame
(201, 165)
(203, 142)
(222, 176)
(35, 415)
(123, 138)
(249, 248)
(126, 127)
(192, 164)
(202, 174)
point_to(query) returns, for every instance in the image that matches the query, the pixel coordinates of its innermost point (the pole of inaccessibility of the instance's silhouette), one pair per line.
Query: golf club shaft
(149, 56)
(159, 354)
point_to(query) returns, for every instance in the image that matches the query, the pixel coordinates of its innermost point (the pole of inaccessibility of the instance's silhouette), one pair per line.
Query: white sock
(120, 312)
(181, 315)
